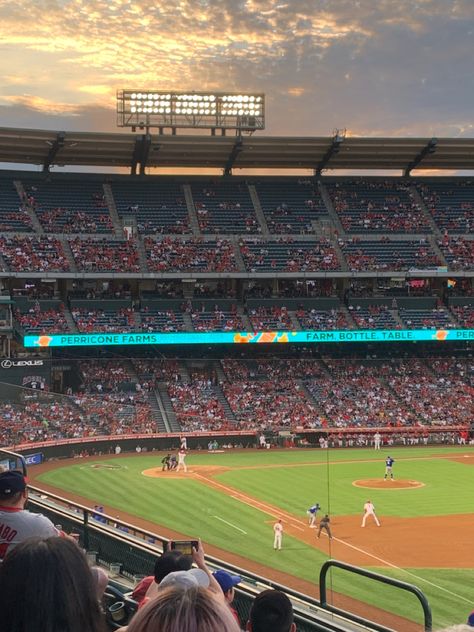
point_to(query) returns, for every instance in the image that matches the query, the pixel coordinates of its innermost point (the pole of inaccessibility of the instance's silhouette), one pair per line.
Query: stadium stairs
(68, 253)
(151, 397)
(429, 218)
(193, 220)
(109, 198)
(162, 392)
(258, 211)
(142, 255)
(35, 223)
(330, 208)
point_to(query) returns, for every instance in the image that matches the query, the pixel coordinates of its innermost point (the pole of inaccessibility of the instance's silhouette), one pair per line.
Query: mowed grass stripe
(186, 505)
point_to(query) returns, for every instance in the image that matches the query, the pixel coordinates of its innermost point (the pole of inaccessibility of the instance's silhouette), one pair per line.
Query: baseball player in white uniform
(17, 524)
(369, 510)
(181, 457)
(278, 531)
(377, 440)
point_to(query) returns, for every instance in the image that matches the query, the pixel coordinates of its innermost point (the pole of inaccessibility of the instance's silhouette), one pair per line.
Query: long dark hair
(47, 586)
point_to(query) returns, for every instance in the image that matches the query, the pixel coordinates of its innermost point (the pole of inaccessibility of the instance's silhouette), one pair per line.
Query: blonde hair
(178, 610)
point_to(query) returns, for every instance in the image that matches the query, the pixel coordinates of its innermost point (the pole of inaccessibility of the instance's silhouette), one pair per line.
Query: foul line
(398, 568)
(255, 503)
(230, 524)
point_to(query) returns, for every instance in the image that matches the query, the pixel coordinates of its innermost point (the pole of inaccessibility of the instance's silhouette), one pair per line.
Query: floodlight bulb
(133, 109)
(212, 97)
(251, 98)
(139, 95)
(168, 110)
(241, 112)
(258, 99)
(133, 95)
(139, 109)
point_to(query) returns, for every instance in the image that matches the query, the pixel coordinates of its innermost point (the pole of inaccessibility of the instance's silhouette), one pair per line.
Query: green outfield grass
(314, 475)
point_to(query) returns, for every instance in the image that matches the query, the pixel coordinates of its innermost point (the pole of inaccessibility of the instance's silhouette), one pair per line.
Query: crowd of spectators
(94, 255)
(33, 254)
(90, 320)
(217, 320)
(381, 206)
(464, 315)
(445, 398)
(451, 206)
(322, 319)
(260, 404)
(38, 321)
(170, 255)
(287, 256)
(275, 317)
(197, 406)
(458, 251)
(388, 255)
(64, 220)
(167, 321)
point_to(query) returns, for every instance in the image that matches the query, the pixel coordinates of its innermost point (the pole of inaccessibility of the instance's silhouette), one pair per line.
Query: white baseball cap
(186, 579)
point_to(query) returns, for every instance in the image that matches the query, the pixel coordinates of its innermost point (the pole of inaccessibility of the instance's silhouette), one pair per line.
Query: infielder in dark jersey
(324, 524)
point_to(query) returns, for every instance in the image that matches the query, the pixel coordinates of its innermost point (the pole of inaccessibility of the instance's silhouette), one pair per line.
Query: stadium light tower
(144, 109)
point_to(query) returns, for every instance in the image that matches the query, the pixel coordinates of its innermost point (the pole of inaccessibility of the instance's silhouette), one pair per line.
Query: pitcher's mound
(380, 483)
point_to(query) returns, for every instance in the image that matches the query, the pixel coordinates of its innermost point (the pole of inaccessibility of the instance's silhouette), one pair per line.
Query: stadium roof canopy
(137, 151)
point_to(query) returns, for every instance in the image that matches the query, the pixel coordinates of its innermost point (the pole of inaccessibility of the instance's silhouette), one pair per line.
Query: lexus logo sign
(9, 364)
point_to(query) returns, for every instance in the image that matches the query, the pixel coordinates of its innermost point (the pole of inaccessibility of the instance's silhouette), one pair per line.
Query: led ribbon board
(259, 337)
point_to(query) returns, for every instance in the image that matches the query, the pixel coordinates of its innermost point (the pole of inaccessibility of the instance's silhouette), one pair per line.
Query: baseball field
(231, 500)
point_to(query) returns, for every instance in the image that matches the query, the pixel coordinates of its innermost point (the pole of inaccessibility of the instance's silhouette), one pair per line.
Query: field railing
(376, 577)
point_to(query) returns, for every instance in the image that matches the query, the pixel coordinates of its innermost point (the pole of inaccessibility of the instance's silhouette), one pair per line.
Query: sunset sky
(375, 67)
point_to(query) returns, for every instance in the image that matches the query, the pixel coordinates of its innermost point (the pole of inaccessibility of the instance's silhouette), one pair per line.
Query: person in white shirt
(181, 457)
(278, 531)
(377, 440)
(369, 510)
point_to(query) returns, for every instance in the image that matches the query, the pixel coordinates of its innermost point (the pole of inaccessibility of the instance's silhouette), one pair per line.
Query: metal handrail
(428, 620)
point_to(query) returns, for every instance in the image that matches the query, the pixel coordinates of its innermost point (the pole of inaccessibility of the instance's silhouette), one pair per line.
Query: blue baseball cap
(11, 482)
(226, 581)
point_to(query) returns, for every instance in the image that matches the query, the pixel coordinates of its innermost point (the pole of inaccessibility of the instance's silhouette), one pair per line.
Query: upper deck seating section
(450, 203)
(13, 217)
(291, 206)
(159, 206)
(287, 255)
(69, 206)
(105, 255)
(458, 252)
(33, 254)
(377, 206)
(225, 208)
(387, 254)
(173, 255)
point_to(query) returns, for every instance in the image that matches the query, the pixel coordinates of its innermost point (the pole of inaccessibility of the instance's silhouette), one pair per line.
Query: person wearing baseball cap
(228, 582)
(16, 523)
